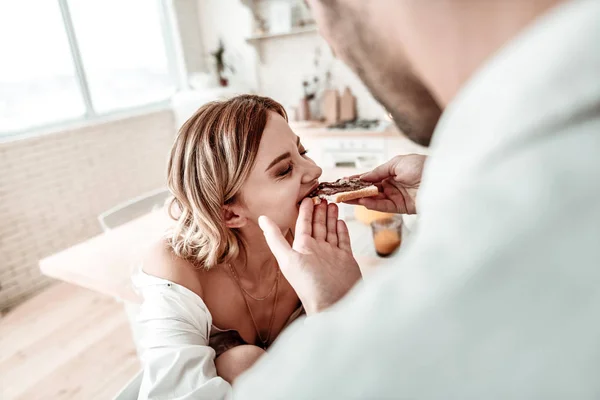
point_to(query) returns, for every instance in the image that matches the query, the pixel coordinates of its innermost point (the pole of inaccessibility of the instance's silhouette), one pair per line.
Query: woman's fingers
(279, 246)
(319, 227)
(305, 218)
(343, 236)
(332, 216)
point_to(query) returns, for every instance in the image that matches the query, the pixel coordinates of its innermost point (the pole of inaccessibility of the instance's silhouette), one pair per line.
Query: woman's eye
(285, 171)
(303, 152)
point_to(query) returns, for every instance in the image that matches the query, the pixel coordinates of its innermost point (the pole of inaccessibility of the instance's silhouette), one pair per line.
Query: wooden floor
(66, 343)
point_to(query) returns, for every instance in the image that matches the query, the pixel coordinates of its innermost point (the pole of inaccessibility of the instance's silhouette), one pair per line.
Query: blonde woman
(214, 296)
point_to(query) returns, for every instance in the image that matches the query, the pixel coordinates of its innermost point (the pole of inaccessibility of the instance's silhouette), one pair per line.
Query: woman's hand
(319, 265)
(398, 181)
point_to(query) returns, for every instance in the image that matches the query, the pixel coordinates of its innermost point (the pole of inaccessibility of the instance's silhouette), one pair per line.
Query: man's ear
(233, 216)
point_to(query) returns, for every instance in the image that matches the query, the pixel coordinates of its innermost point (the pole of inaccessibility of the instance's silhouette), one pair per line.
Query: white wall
(232, 22)
(275, 67)
(194, 54)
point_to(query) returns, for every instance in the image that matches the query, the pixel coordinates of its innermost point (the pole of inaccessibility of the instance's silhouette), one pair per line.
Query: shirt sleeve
(178, 363)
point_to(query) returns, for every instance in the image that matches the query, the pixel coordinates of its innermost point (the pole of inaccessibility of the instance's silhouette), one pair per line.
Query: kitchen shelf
(296, 31)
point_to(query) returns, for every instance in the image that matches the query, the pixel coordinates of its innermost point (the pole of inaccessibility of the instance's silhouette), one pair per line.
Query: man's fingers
(319, 227)
(279, 246)
(378, 196)
(352, 202)
(332, 217)
(380, 173)
(343, 236)
(381, 204)
(305, 217)
(356, 202)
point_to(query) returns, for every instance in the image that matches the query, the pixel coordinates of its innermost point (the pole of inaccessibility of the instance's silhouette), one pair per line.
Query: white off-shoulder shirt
(175, 327)
(175, 338)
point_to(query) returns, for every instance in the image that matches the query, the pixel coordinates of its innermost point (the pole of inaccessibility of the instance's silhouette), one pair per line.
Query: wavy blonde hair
(211, 157)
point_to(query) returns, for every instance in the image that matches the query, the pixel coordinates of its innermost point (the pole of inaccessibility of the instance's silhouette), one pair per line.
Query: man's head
(359, 37)
(414, 55)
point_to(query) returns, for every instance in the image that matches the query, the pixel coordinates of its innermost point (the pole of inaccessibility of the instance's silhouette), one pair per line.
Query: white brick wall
(52, 187)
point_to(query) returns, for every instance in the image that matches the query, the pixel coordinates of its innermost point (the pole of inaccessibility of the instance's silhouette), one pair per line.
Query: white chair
(132, 389)
(111, 219)
(133, 209)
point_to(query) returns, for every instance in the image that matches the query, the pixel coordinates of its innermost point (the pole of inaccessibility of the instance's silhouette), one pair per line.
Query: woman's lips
(316, 185)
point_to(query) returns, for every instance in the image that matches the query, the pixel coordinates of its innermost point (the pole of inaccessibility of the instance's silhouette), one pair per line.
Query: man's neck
(463, 35)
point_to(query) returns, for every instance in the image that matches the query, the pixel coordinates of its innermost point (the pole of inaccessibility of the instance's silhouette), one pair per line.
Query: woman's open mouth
(316, 185)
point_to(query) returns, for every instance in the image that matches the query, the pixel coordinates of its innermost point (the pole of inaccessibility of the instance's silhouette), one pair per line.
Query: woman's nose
(313, 172)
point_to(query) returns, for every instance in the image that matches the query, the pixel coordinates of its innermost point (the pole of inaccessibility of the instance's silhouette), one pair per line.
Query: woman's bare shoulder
(160, 261)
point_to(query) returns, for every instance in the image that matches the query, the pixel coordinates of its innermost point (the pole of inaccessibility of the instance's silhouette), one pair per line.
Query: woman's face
(282, 176)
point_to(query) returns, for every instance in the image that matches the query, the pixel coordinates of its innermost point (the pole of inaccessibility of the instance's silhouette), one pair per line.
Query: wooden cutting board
(347, 106)
(330, 107)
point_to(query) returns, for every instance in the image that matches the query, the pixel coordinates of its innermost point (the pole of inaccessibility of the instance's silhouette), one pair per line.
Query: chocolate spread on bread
(339, 186)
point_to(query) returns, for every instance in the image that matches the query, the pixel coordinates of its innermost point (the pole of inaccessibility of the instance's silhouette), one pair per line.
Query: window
(38, 83)
(70, 59)
(122, 50)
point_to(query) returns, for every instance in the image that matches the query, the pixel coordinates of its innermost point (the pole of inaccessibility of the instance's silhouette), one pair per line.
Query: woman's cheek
(286, 194)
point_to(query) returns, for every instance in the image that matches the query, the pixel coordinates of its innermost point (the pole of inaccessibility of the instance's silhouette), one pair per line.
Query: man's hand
(398, 181)
(319, 265)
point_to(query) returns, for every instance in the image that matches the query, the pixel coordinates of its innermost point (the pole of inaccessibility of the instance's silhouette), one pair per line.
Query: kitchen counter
(309, 130)
(316, 128)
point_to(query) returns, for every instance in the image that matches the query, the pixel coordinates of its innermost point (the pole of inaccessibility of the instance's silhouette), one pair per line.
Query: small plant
(220, 65)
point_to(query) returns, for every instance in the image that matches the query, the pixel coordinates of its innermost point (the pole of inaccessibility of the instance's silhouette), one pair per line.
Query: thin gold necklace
(276, 286)
(259, 298)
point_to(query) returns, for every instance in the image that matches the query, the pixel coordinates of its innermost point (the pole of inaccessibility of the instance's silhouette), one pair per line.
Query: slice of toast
(343, 190)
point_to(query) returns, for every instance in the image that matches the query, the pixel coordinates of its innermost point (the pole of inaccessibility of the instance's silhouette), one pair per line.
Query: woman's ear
(233, 216)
